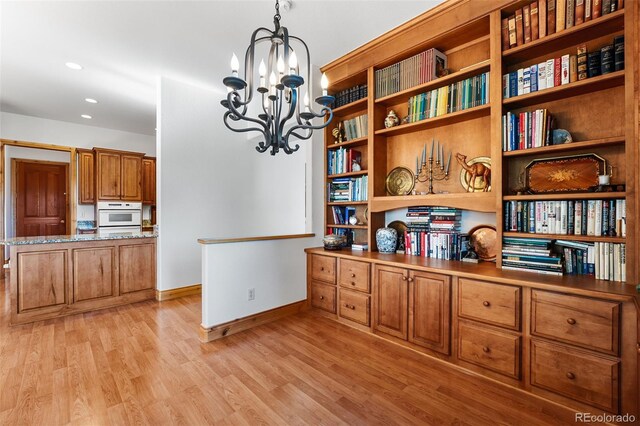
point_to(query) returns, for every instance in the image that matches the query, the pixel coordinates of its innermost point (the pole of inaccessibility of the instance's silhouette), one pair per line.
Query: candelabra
(427, 172)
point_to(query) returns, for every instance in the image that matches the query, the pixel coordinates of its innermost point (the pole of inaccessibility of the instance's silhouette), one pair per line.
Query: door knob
(62, 221)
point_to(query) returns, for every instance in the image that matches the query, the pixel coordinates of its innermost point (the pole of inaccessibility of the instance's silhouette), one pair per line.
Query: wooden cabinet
(323, 268)
(86, 177)
(42, 279)
(149, 180)
(354, 306)
(354, 275)
(391, 295)
(323, 296)
(94, 282)
(118, 175)
(490, 303)
(137, 267)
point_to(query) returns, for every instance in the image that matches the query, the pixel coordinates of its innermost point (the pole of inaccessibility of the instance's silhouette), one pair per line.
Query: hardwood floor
(143, 364)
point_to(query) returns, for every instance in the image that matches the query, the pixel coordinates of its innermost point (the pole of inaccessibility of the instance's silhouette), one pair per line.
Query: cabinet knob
(571, 321)
(486, 303)
(353, 275)
(321, 297)
(486, 349)
(352, 283)
(322, 268)
(346, 305)
(404, 278)
(570, 375)
(410, 279)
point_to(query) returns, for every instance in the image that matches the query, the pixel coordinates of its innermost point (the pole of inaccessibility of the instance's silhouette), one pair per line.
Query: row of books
(464, 94)
(433, 218)
(529, 254)
(411, 72)
(545, 17)
(569, 217)
(341, 160)
(356, 128)
(352, 94)
(437, 245)
(565, 69)
(527, 129)
(348, 189)
(341, 214)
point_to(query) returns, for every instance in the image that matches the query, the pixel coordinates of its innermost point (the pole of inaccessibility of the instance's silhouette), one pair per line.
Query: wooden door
(86, 177)
(131, 177)
(40, 195)
(149, 181)
(108, 175)
(391, 292)
(430, 311)
(137, 265)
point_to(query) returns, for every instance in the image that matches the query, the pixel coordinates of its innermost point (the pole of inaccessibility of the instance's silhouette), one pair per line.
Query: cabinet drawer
(490, 303)
(591, 323)
(355, 306)
(354, 275)
(323, 296)
(323, 268)
(574, 374)
(491, 349)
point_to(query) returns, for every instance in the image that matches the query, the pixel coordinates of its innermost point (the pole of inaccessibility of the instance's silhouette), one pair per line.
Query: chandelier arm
(230, 104)
(228, 115)
(299, 136)
(248, 61)
(292, 107)
(306, 49)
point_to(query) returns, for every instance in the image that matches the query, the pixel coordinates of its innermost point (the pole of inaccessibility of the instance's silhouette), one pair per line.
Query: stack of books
(565, 69)
(527, 129)
(610, 261)
(348, 189)
(356, 127)
(434, 232)
(464, 94)
(530, 254)
(411, 72)
(341, 160)
(545, 17)
(352, 94)
(342, 214)
(360, 246)
(569, 217)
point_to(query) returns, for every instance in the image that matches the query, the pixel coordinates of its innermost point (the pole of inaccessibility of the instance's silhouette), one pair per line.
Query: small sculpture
(474, 171)
(338, 133)
(391, 120)
(355, 166)
(560, 136)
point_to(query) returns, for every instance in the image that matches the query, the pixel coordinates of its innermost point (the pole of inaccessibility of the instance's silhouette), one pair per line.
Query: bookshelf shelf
(572, 196)
(586, 238)
(351, 143)
(576, 88)
(442, 120)
(350, 108)
(433, 84)
(341, 175)
(347, 226)
(573, 146)
(479, 201)
(573, 36)
(347, 203)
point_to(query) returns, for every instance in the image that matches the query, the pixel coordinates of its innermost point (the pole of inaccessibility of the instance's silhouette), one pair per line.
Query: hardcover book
(582, 62)
(571, 13)
(596, 9)
(579, 19)
(573, 68)
(551, 17)
(526, 16)
(542, 75)
(587, 10)
(542, 18)
(565, 70)
(561, 12)
(535, 26)
(606, 59)
(550, 73)
(618, 53)
(519, 27)
(505, 33)
(557, 72)
(606, 7)
(513, 41)
(593, 61)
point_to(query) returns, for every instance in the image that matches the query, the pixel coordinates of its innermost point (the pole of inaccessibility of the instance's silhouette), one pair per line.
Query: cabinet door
(430, 311)
(42, 279)
(148, 181)
(108, 175)
(94, 274)
(391, 293)
(86, 177)
(137, 267)
(131, 178)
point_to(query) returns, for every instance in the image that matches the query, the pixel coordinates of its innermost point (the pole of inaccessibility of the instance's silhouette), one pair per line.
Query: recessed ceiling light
(88, 117)
(91, 101)
(73, 66)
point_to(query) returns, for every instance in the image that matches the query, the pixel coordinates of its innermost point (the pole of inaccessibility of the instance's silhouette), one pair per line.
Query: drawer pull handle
(404, 278)
(486, 303)
(321, 297)
(570, 375)
(353, 275)
(410, 280)
(486, 349)
(571, 321)
(346, 305)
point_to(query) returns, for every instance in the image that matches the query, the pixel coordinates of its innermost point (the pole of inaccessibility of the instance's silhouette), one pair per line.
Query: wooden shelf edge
(585, 26)
(351, 106)
(480, 201)
(616, 140)
(352, 142)
(438, 82)
(346, 203)
(586, 238)
(350, 174)
(561, 197)
(347, 226)
(442, 119)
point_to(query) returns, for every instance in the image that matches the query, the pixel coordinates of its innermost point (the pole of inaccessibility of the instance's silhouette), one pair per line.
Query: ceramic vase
(391, 120)
(387, 240)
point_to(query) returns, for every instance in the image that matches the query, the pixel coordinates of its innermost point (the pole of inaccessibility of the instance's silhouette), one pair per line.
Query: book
(520, 81)
(573, 68)
(557, 72)
(587, 10)
(606, 7)
(561, 13)
(533, 75)
(542, 18)
(513, 41)
(618, 53)
(526, 17)
(535, 25)
(564, 79)
(606, 59)
(526, 81)
(550, 73)
(519, 28)
(551, 17)
(505, 33)
(579, 18)
(582, 62)
(596, 9)
(570, 13)
(593, 63)
(542, 75)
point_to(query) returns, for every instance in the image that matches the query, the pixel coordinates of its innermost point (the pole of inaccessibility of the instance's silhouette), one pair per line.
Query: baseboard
(241, 324)
(174, 293)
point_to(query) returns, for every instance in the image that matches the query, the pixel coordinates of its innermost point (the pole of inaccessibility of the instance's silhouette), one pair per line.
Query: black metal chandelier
(280, 97)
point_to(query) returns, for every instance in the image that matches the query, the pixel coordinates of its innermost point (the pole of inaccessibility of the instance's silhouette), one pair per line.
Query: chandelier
(281, 116)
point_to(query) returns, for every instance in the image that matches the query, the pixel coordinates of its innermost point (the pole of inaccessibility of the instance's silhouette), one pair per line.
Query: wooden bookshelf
(360, 104)
(571, 196)
(479, 201)
(573, 146)
(347, 226)
(350, 174)
(347, 203)
(349, 144)
(586, 238)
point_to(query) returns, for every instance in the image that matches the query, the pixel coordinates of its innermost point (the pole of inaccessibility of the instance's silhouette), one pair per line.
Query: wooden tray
(575, 173)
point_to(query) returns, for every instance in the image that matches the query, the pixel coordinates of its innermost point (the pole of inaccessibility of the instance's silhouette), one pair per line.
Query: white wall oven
(119, 217)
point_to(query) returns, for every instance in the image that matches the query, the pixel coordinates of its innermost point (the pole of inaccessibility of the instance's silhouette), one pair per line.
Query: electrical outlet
(252, 294)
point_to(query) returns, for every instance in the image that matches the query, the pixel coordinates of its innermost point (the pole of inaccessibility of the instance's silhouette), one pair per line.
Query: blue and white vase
(387, 240)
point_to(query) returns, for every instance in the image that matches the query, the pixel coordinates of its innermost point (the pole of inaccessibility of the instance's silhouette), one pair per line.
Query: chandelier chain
(277, 15)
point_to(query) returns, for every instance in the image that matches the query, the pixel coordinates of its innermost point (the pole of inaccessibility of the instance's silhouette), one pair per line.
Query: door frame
(14, 195)
(73, 178)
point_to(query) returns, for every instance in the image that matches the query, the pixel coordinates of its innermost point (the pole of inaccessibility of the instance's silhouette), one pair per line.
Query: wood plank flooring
(143, 364)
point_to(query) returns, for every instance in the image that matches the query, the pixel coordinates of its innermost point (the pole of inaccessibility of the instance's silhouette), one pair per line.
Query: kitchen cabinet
(149, 180)
(86, 177)
(118, 175)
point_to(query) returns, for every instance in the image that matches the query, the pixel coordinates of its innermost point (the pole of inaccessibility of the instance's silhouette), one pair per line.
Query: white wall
(213, 183)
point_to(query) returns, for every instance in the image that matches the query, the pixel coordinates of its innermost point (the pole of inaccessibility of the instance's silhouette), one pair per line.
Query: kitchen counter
(54, 239)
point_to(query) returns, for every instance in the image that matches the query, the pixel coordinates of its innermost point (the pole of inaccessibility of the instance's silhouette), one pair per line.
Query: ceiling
(124, 46)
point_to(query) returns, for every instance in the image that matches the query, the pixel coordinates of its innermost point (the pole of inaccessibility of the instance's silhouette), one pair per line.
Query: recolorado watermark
(605, 418)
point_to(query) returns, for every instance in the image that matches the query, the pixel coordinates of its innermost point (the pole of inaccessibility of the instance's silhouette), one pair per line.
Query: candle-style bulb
(265, 102)
(280, 64)
(305, 101)
(324, 83)
(293, 63)
(262, 69)
(235, 65)
(272, 78)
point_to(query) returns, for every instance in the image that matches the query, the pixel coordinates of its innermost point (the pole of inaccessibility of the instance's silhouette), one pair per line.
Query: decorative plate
(484, 240)
(478, 185)
(400, 181)
(564, 174)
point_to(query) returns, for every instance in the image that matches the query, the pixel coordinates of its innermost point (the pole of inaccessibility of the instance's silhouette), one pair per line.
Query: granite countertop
(52, 239)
